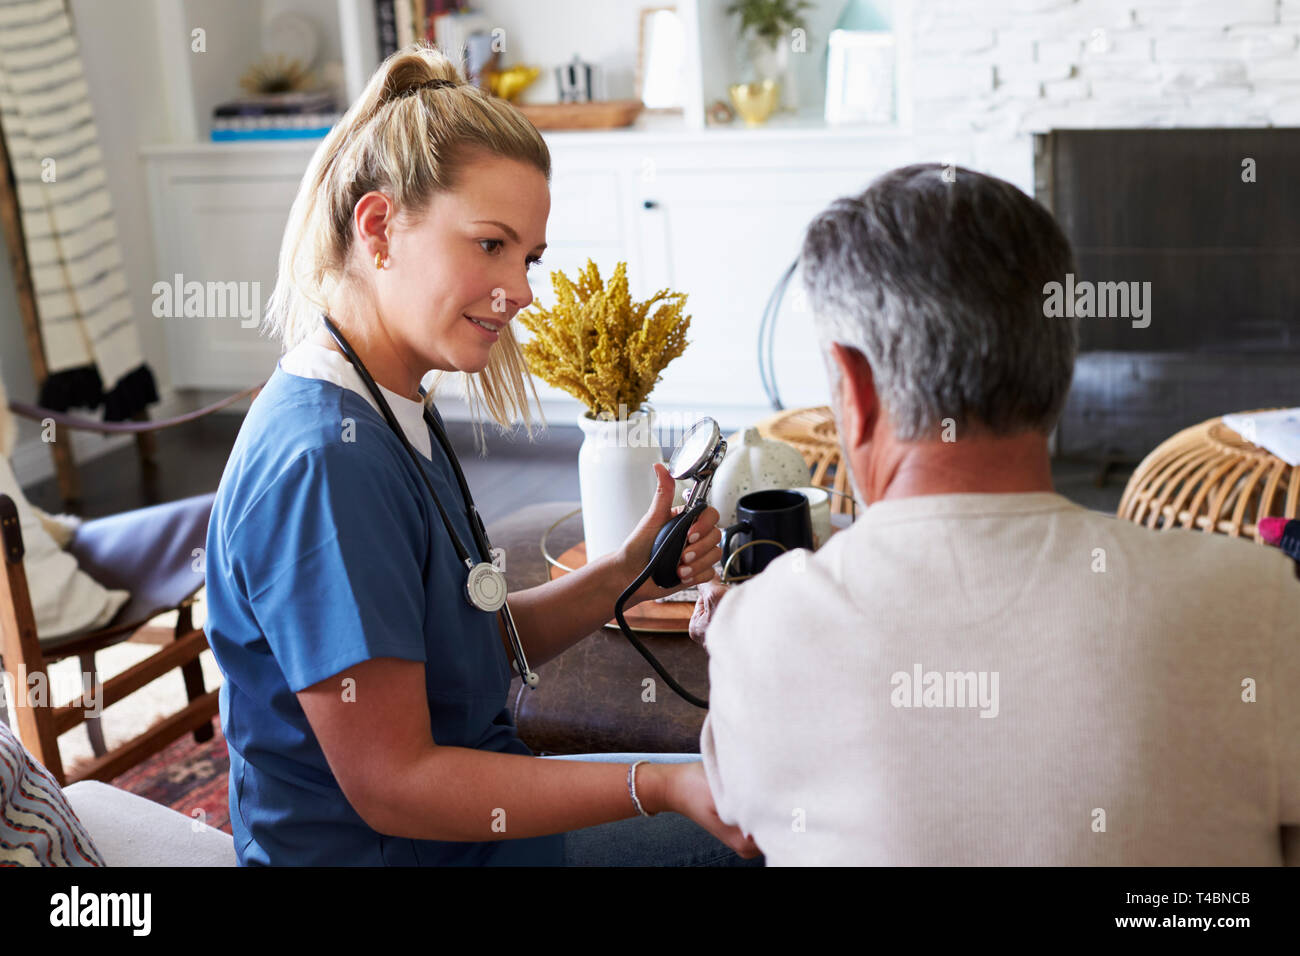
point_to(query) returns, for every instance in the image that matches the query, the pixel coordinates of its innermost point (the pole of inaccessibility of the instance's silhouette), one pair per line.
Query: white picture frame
(661, 56)
(861, 78)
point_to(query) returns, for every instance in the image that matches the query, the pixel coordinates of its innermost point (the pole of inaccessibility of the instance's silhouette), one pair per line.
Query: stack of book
(399, 23)
(301, 115)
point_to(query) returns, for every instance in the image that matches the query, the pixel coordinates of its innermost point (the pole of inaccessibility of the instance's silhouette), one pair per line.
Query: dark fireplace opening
(1207, 222)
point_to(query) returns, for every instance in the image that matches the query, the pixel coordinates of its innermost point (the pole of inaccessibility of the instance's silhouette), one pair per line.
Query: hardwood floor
(192, 457)
(515, 473)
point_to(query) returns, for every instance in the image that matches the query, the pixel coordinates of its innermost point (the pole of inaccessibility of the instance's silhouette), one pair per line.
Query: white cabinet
(724, 236)
(721, 220)
(219, 214)
(588, 220)
(718, 215)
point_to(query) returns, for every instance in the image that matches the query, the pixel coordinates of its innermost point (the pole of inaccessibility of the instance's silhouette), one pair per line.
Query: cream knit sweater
(1010, 679)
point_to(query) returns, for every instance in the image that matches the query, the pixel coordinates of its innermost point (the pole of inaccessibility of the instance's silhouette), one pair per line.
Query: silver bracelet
(631, 787)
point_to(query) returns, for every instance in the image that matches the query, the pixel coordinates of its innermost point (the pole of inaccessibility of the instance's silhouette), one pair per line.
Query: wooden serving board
(667, 617)
(605, 114)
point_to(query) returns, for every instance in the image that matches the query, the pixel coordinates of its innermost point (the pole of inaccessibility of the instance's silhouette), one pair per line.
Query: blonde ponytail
(407, 136)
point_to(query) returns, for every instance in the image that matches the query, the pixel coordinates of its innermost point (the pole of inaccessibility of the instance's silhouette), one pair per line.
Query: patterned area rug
(188, 777)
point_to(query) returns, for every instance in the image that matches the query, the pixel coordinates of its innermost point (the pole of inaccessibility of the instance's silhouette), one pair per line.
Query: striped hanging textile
(91, 348)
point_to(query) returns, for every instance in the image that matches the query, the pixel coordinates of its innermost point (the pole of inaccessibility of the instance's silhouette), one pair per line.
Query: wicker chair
(147, 551)
(1209, 477)
(166, 533)
(813, 432)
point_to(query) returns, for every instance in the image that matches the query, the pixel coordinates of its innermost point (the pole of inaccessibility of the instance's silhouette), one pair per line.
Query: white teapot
(754, 463)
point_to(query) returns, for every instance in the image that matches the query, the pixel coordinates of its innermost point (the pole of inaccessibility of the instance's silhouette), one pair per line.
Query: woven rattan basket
(1209, 477)
(813, 432)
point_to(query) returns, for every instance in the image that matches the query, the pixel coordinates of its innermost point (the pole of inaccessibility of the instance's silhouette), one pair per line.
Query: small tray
(605, 114)
(655, 617)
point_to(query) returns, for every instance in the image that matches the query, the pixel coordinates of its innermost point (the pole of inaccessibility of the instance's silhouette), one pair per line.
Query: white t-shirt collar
(310, 360)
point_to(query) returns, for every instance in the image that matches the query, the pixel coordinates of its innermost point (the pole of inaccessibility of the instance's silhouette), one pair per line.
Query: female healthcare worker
(364, 700)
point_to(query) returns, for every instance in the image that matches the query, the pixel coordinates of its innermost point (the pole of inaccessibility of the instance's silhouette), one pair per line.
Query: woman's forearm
(460, 794)
(554, 616)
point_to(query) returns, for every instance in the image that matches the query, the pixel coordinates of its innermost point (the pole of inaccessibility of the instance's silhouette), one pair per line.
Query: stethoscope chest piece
(486, 587)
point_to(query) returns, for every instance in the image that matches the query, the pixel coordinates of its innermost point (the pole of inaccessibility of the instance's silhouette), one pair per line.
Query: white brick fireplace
(987, 75)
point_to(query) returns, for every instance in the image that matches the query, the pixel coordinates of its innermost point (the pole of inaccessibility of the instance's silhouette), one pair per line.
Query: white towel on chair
(71, 237)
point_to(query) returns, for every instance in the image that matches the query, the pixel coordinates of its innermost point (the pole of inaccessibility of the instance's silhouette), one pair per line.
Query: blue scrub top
(324, 551)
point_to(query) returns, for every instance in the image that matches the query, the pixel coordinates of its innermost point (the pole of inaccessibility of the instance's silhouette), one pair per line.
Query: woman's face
(466, 257)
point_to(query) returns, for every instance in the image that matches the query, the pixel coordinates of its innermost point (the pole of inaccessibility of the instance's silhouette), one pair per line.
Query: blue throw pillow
(37, 827)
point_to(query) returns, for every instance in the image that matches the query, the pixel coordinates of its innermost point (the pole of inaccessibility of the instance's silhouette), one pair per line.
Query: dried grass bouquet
(600, 346)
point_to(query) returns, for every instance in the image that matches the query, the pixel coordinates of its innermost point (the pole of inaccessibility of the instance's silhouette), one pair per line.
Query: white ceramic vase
(616, 477)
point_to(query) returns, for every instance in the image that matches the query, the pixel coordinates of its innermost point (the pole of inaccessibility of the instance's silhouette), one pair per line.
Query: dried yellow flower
(601, 347)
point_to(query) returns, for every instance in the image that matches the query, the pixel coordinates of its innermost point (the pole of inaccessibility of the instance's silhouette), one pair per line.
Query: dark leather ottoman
(590, 699)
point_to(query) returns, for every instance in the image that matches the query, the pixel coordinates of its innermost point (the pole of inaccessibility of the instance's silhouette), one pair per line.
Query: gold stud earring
(379, 260)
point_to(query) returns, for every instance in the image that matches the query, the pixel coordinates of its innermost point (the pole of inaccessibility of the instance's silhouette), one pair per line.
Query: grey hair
(938, 282)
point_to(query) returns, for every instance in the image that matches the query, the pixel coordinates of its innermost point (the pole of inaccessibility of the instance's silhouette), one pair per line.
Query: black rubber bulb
(667, 553)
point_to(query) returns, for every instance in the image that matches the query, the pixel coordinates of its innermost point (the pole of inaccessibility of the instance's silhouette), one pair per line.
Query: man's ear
(859, 404)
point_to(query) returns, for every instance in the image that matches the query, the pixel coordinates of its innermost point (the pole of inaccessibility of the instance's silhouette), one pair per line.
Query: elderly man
(979, 671)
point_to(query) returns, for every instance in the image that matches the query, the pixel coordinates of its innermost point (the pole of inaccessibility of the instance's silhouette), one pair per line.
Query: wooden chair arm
(11, 532)
(77, 423)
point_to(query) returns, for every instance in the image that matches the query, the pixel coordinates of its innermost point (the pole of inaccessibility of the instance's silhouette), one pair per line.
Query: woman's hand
(685, 790)
(701, 551)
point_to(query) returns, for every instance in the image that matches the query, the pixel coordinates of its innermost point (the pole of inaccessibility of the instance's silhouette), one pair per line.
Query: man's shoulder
(792, 589)
(1193, 551)
(801, 588)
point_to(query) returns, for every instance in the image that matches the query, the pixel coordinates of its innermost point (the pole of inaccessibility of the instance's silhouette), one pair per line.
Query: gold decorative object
(755, 101)
(276, 74)
(1208, 477)
(600, 346)
(508, 84)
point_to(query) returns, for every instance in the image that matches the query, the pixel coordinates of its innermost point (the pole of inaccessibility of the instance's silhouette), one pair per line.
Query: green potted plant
(766, 27)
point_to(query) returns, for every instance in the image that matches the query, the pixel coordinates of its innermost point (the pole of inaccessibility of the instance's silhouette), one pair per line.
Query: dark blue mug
(769, 524)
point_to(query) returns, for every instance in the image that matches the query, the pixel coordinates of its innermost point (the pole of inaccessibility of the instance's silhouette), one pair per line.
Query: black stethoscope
(485, 585)
(697, 457)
